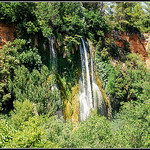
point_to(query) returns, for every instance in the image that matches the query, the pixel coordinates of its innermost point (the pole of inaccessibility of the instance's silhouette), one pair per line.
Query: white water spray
(98, 100)
(53, 54)
(90, 95)
(85, 93)
(53, 64)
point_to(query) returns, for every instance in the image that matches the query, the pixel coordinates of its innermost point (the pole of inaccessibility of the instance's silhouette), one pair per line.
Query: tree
(9, 63)
(94, 6)
(123, 13)
(96, 27)
(38, 87)
(21, 112)
(30, 133)
(59, 18)
(31, 59)
(125, 127)
(22, 15)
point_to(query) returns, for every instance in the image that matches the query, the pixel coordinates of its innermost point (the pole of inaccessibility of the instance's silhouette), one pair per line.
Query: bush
(60, 132)
(6, 132)
(130, 128)
(93, 133)
(30, 134)
(38, 87)
(21, 113)
(31, 59)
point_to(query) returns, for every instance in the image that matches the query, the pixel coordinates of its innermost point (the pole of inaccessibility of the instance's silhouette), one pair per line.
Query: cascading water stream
(53, 54)
(98, 99)
(53, 57)
(90, 96)
(85, 93)
(53, 64)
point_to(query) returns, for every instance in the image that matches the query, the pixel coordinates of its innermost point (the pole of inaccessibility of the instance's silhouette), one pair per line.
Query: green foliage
(95, 24)
(31, 59)
(79, 21)
(9, 63)
(94, 6)
(104, 67)
(129, 81)
(109, 49)
(15, 80)
(51, 20)
(92, 133)
(128, 16)
(120, 84)
(145, 24)
(111, 83)
(131, 126)
(124, 13)
(71, 43)
(123, 81)
(21, 112)
(73, 20)
(6, 12)
(31, 27)
(129, 129)
(22, 14)
(6, 132)
(38, 87)
(30, 134)
(59, 131)
(88, 134)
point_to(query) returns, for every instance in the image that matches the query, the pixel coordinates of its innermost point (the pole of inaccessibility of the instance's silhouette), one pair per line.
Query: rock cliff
(6, 33)
(137, 44)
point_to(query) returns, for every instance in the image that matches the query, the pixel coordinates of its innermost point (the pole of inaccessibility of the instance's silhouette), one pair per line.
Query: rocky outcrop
(6, 33)
(137, 44)
(147, 47)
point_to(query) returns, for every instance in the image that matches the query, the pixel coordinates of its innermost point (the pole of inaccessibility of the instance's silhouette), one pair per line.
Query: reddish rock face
(137, 45)
(6, 33)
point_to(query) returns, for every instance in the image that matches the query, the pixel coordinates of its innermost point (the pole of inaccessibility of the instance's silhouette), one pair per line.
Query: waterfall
(53, 54)
(53, 64)
(53, 57)
(98, 100)
(90, 96)
(85, 92)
